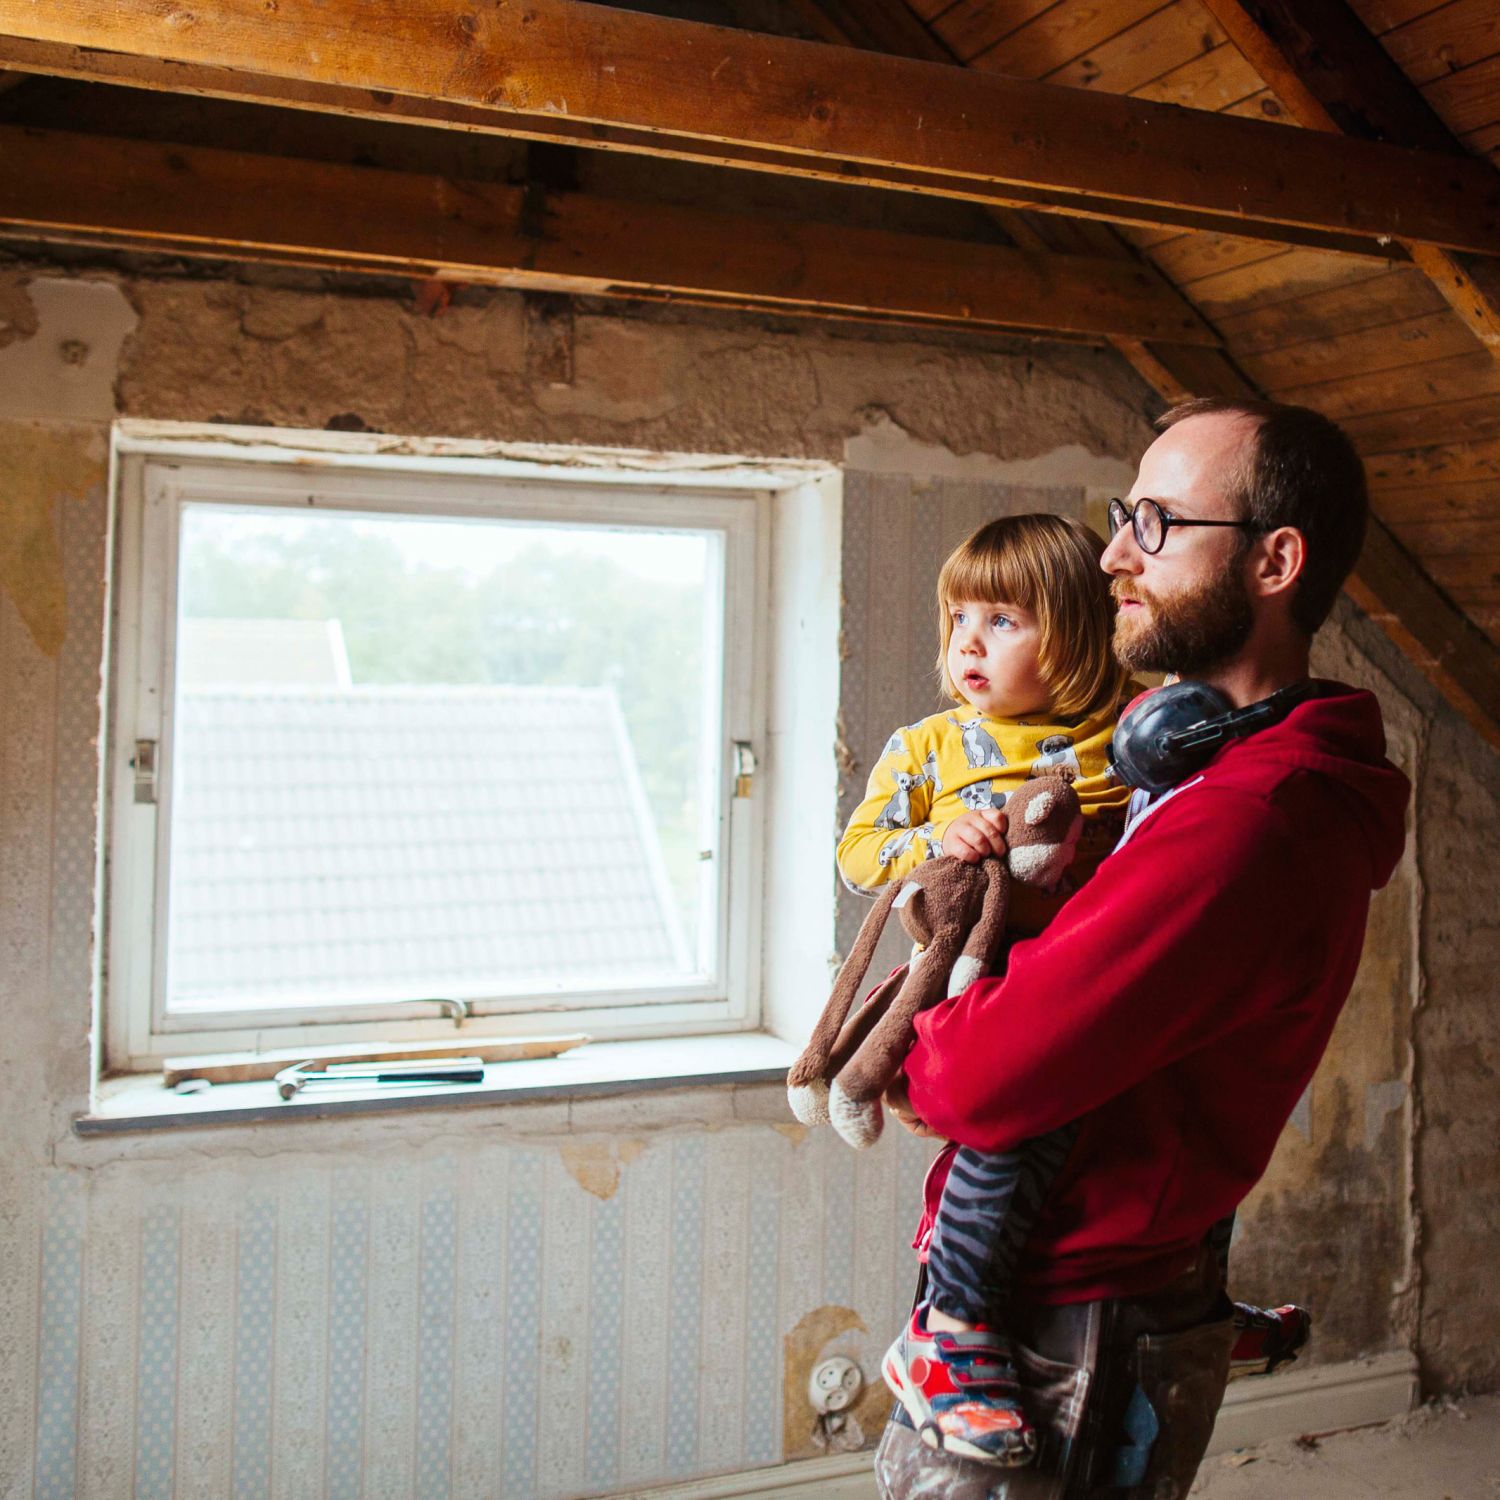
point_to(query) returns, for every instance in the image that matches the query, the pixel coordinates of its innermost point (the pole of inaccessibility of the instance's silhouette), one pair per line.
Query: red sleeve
(1163, 951)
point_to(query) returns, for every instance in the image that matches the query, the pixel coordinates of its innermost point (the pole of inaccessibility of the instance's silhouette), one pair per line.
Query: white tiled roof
(380, 842)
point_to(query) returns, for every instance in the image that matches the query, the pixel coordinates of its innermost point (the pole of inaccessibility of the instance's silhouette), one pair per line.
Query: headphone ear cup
(1143, 750)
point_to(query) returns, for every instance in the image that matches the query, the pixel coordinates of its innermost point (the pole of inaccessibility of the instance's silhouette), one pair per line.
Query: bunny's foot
(859, 1121)
(809, 1101)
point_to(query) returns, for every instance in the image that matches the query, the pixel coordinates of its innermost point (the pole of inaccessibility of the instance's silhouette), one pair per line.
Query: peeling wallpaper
(468, 1323)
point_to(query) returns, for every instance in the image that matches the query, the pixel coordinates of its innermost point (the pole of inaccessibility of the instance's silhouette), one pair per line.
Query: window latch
(145, 770)
(744, 768)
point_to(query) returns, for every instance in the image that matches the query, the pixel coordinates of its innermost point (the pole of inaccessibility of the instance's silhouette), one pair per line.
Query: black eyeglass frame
(1119, 513)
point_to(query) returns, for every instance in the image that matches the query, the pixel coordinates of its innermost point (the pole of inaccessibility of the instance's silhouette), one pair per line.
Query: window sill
(599, 1069)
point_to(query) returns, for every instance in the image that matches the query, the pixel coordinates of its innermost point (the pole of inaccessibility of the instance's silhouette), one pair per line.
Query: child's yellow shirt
(962, 760)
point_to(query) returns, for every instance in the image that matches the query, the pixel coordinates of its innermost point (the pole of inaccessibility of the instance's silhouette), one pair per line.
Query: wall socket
(834, 1385)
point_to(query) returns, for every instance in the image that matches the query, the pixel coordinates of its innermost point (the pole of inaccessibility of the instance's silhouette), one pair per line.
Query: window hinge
(145, 770)
(744, 768)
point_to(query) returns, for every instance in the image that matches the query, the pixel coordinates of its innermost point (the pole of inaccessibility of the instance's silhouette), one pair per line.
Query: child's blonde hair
(1048, 565)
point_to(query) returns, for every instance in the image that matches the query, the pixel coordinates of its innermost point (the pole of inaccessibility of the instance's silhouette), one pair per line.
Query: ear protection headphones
(1167, 735)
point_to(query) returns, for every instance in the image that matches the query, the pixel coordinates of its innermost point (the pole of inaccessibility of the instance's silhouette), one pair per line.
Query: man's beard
(1186, 632)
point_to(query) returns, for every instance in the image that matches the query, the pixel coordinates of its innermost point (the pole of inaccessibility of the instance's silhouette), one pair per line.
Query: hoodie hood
(1339, 738)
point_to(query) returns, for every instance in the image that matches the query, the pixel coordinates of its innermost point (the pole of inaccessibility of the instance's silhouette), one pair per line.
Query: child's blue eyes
(999, 622)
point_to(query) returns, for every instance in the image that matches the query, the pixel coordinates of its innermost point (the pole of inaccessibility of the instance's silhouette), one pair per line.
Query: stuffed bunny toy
(956, 913)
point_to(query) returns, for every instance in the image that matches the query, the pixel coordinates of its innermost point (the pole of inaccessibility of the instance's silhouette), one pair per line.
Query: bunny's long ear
(807, 1082)
(985, 936)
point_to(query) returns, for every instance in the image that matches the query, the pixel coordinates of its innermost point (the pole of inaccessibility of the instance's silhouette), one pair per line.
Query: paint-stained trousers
(1123, 1394)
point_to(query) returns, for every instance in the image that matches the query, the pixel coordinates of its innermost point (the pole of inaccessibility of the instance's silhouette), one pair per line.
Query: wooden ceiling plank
(1284, 277)
(1334, 76)
(1190, 258)
(1438, 542)
(1469, 577)
(1060, 34)
(934, 10)
(1439, 463)
(1164, 40)
(1403, 345)
(1487, 618)
(1467, 100)
(1380, 16)
(1469, 501)
(248, 206)
(1401, 387)
(727, 97)
(874, 25)
(1483, 142)
(972, 27)
(1213, 81)
(1416, 426)
(1332, 313)
(1263, 105)
(1441, 42)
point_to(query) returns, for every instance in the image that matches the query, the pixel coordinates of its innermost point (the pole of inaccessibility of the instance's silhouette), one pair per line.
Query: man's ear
(1277, 561)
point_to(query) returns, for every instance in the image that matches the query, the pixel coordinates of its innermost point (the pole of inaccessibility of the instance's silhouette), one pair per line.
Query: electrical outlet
(833, 1385)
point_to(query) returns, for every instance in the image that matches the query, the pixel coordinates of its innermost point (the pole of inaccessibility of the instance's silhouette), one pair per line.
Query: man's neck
(1250, 677)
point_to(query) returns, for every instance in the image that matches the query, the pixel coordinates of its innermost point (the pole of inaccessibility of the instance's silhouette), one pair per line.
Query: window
(395, 743)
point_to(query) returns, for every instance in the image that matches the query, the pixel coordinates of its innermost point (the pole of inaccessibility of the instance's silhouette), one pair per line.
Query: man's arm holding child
(1158, 955)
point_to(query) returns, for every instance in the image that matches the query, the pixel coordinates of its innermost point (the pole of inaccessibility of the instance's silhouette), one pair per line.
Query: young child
(1025, 622)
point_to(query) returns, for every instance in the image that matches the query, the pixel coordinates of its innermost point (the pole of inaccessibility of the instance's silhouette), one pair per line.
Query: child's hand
(976, 835)
(899, 1104)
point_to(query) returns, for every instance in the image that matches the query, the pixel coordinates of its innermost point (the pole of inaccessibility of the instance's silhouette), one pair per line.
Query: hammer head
(290, 1080)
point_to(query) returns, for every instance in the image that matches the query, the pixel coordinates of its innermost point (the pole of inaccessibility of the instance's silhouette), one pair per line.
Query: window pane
(420, 757)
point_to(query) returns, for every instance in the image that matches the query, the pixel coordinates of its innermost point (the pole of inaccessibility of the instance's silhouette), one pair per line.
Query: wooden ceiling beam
(1334, 76)
(145, 195)
(93, 66)
(724, 96)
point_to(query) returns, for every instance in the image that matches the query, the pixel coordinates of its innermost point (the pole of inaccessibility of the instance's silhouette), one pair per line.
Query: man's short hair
(1301, 471)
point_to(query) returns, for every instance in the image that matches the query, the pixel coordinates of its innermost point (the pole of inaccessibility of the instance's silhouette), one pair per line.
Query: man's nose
(1122, 555)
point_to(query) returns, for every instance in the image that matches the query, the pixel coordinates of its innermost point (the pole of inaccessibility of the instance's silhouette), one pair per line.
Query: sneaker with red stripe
(961, 1393)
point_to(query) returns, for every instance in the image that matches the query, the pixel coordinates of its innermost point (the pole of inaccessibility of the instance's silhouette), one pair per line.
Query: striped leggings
(990, 1203)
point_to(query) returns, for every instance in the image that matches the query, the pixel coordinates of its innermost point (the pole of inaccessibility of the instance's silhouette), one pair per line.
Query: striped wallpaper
(462, 1326)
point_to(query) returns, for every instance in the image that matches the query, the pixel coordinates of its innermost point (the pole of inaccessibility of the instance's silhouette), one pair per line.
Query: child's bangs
(1000, 573)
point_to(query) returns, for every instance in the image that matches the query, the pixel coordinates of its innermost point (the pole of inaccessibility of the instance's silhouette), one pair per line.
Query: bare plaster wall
(1380, 1208)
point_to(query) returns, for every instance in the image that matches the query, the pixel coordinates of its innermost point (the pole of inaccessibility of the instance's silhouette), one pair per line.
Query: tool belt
(1122, 1393)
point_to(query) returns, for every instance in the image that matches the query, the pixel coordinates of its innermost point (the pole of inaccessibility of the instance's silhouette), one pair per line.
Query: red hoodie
(1179, 1003)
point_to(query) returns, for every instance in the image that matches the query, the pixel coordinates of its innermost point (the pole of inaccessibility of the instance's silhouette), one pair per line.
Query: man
(1179, 1004)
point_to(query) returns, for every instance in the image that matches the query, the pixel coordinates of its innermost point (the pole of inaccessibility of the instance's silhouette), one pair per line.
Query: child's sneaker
(1268, 1337)
(961, 1393)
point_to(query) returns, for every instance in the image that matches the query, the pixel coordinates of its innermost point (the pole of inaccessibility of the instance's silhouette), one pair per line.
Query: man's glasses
(1150, 523)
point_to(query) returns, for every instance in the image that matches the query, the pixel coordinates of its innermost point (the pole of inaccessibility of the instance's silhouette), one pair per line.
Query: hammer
(291, 1081)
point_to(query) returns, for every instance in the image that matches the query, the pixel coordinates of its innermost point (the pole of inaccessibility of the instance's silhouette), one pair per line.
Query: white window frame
(157, 466)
